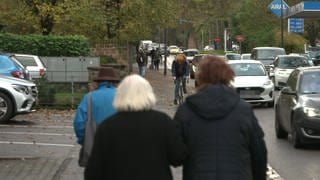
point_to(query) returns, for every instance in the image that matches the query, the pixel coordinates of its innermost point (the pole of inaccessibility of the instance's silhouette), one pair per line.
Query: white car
(282, 67)
(174, 49)
(33, 64)
(16, 96)
(190, 53)
(252, 81)
(246, 56)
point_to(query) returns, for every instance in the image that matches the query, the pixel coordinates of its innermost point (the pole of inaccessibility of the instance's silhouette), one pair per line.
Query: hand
(174, 78)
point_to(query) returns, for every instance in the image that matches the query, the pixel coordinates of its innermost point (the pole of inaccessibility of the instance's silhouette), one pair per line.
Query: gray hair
(134, 93)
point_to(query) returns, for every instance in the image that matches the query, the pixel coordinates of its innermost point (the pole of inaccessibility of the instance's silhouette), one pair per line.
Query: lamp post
(281, 23)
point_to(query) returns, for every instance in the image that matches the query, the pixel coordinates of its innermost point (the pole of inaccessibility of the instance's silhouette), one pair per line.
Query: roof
(267, 48)
(305, 9)
(244, 61)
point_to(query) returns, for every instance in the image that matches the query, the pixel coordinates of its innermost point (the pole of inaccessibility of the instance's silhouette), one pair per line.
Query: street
(42, 145)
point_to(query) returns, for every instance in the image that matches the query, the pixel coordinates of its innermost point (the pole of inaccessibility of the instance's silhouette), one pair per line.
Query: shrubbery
(44, 45)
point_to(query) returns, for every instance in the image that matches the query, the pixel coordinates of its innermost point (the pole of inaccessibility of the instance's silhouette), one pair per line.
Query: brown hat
(107, 74)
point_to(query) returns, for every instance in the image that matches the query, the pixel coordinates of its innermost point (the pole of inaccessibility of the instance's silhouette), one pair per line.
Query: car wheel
(296, 140)
(280, 132)
(6, 108)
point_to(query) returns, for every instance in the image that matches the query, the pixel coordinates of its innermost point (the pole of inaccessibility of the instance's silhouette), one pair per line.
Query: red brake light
(17, 74)
(42, 72)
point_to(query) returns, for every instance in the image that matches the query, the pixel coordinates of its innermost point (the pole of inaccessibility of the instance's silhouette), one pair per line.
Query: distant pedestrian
(101, 97)
(157, 58)
(223, 136)
(142, 61)
(137, 143)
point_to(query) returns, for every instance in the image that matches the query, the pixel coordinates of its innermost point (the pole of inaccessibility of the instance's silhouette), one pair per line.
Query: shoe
(185, 90)
(175, 102)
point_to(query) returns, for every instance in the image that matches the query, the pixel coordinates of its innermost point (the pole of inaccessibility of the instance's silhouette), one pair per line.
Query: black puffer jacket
(224, 139)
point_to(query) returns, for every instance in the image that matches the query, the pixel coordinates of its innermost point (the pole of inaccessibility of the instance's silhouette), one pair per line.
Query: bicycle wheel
(180, 93)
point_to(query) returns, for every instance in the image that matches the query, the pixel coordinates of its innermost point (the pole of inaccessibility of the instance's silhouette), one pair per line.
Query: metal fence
(66, 80)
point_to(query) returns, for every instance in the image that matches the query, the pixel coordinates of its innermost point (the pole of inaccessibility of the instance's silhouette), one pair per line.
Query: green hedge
(44, 45)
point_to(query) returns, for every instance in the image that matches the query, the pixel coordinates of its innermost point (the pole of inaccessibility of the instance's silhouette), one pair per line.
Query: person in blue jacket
(102, 99)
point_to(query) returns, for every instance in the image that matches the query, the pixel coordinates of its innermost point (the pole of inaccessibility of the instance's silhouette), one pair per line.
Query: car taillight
(42, 72)
(17, 74)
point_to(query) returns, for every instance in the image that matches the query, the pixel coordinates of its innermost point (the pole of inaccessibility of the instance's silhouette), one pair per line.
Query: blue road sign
(275, 7)
(296, 25)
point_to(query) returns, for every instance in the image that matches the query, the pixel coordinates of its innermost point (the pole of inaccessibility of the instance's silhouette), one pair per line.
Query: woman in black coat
(137, 143)
(220, 130)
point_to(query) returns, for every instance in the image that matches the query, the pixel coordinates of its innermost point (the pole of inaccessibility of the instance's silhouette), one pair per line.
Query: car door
(289, 99)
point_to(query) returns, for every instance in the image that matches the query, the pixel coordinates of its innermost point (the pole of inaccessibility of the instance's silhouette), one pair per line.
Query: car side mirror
(288, 90)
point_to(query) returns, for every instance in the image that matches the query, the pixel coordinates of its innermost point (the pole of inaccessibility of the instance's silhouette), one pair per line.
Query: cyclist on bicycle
(180, 72)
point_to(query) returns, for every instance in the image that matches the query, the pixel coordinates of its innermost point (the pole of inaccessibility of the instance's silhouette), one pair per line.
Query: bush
(44, 45)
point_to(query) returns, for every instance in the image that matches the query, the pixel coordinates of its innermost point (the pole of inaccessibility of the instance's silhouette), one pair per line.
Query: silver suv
(17, 96)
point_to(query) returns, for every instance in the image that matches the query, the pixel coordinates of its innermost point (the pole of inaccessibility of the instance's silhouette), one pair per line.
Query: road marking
(25, 126)
(31, 133)
(36, 143)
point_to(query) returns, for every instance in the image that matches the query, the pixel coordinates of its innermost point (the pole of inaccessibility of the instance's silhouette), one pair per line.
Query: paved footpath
(66, 168)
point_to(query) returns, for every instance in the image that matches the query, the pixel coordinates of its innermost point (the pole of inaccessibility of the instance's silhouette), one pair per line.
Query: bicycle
(180, 90)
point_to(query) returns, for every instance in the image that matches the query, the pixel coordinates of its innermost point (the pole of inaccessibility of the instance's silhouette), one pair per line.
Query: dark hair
(213, 70)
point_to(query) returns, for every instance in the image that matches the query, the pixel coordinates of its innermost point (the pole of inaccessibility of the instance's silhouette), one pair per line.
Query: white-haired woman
(137, 142)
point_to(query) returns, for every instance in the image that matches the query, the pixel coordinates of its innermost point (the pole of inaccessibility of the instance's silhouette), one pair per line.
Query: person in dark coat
(223, 136)
(137, 143)
(180, 72)
(142, 61)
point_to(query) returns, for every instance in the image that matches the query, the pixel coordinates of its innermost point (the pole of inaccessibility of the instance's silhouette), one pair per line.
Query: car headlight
(20, 88)
(267, 83)
(311, 112)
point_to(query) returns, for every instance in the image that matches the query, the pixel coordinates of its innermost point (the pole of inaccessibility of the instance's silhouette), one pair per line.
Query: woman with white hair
(137, 142)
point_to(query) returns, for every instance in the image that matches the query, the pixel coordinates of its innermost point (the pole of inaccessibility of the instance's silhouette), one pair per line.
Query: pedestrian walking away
(137, 142)
(142, 61)
(223, 136)
(180, 72)
(101, 102)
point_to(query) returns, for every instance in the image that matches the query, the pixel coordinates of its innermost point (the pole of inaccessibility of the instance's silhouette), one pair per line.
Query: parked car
(297, 109)
(245, 56)
(9, 66)
(266, 54)
(282, 67)
(16, 96)
(232, 56)
(252, 82)
(190, 53)
(33, 64)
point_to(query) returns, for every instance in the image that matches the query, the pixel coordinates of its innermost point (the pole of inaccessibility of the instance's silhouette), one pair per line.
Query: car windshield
(269, 54)
(233, 56)
(310, 83)
(6, 63)
(292, 62)
(248, 69)
(190, 53)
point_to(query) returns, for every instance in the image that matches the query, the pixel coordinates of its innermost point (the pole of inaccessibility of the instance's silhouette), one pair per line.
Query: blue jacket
(102, 108)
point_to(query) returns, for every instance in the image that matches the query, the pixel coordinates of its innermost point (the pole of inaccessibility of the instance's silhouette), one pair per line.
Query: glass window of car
(190, 53)
(293, 79)
(310, 83)
(248, 69)
(292, 62)
(27, 61)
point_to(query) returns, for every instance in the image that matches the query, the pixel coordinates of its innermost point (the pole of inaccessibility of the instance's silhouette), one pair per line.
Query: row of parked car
(18, 91)
(293, 78)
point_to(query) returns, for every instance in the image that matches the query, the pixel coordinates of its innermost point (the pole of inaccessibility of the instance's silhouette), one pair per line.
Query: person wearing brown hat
(101, 102)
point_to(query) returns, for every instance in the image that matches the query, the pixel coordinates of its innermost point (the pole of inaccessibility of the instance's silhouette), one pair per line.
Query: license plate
(247, 93)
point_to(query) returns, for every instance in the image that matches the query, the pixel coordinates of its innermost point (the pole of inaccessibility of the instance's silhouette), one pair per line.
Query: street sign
(275, 7)
(240, 38)
(296, 25)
